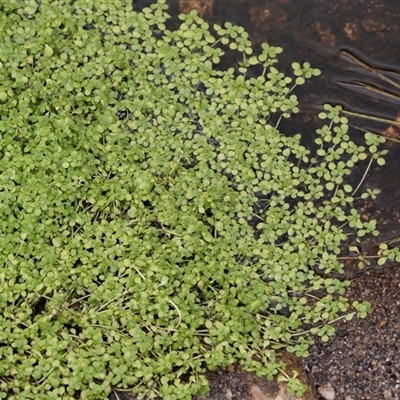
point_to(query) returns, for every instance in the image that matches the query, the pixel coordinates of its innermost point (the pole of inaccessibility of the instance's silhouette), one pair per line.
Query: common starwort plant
(155, 223)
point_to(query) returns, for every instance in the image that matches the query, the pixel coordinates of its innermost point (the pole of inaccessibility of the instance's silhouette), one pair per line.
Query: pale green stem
(371, 117)
(363, 178)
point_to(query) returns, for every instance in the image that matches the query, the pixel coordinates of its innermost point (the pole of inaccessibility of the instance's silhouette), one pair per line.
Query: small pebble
(387, 395)
(327, 392)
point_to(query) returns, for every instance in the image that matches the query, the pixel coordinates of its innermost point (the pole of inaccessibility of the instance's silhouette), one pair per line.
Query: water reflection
(354, 43)
(319, 31)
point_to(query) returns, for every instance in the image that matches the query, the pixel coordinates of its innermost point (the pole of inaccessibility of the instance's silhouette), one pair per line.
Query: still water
(355, 43)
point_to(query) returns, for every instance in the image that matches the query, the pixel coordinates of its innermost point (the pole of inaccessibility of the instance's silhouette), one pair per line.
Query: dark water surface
(318, 31)
(355, 43)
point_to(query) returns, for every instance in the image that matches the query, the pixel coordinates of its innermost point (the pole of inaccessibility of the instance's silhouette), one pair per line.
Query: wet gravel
(362, 360)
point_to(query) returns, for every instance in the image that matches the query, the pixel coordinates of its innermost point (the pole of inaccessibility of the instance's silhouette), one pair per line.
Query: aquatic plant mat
(155, 223)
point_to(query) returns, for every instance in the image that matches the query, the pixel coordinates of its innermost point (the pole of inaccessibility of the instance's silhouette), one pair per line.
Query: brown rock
(371, 26)
(327, 392)
(203, 7)
(326, 35)
(351, 30)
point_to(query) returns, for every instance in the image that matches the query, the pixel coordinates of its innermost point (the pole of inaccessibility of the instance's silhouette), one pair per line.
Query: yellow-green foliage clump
(155, 224)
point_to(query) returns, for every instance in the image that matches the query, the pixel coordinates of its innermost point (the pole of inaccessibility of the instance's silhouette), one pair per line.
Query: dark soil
(362, 360)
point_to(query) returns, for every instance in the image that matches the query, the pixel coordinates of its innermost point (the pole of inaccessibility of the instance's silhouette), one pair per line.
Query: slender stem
(371, 117)
(45, 377)
(363, 178)
(116, 395)
(375, 133)
(356, 258)
(279, 120)
(292, 88)
(179, 313)
(284, 373)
